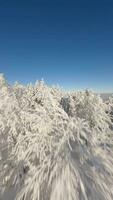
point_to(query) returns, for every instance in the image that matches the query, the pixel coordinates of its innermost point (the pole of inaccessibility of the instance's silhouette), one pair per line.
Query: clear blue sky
(64, 42)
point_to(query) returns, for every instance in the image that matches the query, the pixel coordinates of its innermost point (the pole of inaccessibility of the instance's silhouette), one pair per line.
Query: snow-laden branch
(54, 145)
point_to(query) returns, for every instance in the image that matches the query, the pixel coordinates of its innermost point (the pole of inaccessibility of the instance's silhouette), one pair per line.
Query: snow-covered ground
(54, 145)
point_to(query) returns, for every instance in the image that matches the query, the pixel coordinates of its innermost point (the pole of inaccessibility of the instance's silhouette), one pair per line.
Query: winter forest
(54, 145)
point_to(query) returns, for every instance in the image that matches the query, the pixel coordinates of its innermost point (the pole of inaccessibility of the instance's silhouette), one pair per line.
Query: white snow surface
(54, 145)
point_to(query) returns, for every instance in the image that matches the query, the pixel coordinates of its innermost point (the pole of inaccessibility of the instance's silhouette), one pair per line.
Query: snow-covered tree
(53, 144)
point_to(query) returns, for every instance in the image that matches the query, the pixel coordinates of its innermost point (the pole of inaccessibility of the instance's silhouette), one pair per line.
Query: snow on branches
(53, 144)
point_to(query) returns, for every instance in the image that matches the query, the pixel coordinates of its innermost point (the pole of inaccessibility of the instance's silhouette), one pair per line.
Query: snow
(54, 144)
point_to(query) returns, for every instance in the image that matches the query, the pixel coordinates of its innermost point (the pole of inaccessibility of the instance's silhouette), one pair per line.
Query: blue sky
(64, 42)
